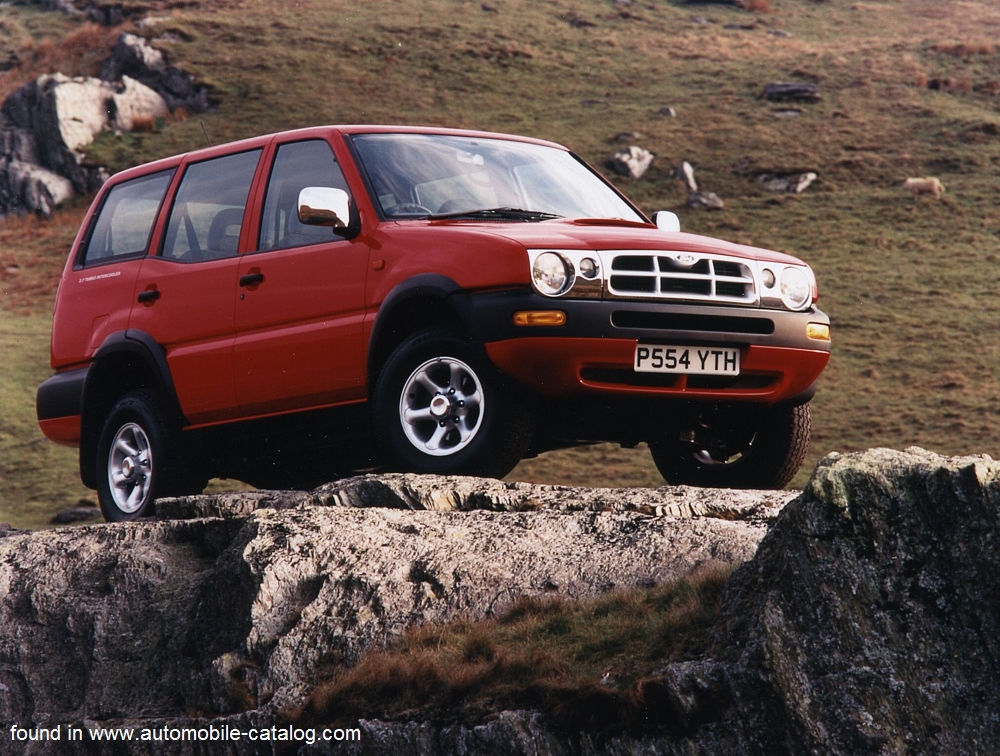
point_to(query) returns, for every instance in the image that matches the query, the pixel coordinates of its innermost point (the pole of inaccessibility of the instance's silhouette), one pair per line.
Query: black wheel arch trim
(139, 344)
(433, 285)
(143, 345)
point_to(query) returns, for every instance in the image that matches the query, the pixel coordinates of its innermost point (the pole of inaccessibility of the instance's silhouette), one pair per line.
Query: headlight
(551, 274)
(796, 288)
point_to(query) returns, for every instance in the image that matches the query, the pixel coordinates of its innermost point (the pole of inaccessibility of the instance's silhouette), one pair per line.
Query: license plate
(696, 360)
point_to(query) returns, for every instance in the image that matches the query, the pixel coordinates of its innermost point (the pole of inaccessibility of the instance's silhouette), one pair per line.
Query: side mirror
(324, 206)
(667, 221)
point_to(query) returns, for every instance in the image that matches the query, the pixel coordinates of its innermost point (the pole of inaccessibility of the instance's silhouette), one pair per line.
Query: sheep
(926, 185)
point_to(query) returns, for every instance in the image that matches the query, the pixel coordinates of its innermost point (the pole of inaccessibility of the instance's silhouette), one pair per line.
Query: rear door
(184, 294)
(96, 296)
(300, 296)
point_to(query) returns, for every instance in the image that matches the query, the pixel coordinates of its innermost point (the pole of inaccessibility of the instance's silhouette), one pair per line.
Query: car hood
(618, 235)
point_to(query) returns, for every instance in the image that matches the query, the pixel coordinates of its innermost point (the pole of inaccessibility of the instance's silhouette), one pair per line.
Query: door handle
(150, 295)
(251, 278)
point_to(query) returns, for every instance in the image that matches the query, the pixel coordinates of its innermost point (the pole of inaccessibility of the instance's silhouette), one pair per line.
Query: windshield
(426, 176)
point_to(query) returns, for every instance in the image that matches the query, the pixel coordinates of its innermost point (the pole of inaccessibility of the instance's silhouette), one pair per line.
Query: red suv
(301, 305)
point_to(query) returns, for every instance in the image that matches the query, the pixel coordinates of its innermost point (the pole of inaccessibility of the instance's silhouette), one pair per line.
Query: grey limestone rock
(704, 201)
(47, 124)
(865, 621)
(633, 161)
(239, 604)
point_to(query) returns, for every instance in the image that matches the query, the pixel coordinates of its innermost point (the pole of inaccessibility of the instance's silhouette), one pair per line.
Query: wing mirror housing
(327, 206)
(667, 221)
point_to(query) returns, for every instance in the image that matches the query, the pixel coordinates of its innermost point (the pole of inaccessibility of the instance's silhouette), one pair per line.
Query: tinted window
(208, 210)
(297, 166)
(126, 220)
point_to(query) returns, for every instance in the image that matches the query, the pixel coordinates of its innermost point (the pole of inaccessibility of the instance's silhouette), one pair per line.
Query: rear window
(206, 218)
(125, 221)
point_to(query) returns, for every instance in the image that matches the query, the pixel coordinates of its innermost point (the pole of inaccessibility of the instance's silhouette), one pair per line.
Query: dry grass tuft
(588, 664)
(965, 49)
(79, 53)
(144, 124)
(33, 251)
(950, 381)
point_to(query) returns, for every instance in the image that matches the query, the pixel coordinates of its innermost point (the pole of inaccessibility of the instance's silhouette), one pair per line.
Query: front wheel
(759, 451)
(440, 407)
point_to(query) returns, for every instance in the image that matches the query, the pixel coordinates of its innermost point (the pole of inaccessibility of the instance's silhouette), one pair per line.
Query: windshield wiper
(502, 213)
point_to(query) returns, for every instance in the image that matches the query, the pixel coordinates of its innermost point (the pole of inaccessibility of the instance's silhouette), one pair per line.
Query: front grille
(680, 276)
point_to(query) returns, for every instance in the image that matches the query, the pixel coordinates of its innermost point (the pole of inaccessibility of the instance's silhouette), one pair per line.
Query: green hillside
(908, 88)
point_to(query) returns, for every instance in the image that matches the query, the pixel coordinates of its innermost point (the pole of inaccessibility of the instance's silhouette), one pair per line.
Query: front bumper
(593, 352)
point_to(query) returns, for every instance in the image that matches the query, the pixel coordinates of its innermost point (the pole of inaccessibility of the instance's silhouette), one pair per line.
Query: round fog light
(588, 267)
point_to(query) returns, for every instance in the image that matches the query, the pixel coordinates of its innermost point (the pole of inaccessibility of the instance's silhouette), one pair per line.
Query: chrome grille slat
(680, 276)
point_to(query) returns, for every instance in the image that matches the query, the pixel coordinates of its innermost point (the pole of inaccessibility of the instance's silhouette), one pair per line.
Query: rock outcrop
(865, 621)
(234, 601)
(633, 161)
(46, 125)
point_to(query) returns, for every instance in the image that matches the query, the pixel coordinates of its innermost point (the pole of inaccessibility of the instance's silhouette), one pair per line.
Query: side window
(208, 209)
(296, 166)
(125, 222)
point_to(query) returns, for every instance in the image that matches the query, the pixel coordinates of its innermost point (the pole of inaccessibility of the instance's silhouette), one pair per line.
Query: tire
(137, 458)
(762, 452)
(440, 407)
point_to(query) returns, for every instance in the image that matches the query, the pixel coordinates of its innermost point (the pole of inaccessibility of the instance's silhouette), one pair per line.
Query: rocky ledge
(862, 620)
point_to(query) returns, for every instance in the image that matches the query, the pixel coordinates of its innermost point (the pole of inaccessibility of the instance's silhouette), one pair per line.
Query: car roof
(259, 142)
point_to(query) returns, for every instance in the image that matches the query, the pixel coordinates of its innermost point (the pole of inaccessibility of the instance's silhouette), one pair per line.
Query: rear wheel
(763, 450)
(138, 459)
(441, 407)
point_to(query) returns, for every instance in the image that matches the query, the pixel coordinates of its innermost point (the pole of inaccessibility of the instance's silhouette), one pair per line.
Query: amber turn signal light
(818, 331)
(540, 318)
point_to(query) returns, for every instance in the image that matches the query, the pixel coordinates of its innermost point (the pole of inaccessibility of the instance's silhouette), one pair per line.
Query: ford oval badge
(685, 259)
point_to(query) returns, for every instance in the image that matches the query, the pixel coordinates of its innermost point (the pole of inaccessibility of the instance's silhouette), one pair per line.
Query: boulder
(28, 187)
(780, 91)
(633, 161)
(794, 183)
(134, 57)
(136, 103)
(49, 123)
(865, 621)
(704, 201)
(686, 174)
(63, 115)
(248, 600)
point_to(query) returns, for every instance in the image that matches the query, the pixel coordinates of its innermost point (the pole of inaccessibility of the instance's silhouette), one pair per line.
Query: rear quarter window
(125, 221)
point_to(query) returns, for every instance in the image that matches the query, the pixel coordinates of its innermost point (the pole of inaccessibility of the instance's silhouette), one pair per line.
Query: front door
(299, 297)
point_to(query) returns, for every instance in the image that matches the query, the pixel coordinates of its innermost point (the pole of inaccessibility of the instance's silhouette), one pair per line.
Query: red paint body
(315, 329)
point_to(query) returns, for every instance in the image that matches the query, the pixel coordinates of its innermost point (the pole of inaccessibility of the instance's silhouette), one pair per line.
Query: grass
(37, 477)
(588, 664)
(909, 88)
